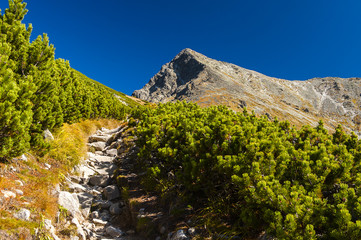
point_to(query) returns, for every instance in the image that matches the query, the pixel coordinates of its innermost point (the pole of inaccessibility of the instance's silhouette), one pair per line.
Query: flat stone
(76, 187)
(84, 197)
(99, 221)
(99, 138)
(112, 152)
(98, 146)
(111, 192)
(99, 180)
(85, 171)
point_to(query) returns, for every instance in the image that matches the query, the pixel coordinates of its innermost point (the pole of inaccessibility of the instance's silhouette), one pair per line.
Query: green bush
(254, 174)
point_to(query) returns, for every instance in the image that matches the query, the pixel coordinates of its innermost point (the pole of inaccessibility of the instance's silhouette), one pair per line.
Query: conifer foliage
(39, 92)
(254, 174)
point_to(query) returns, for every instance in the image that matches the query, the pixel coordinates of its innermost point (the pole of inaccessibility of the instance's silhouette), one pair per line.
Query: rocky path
(92, 197)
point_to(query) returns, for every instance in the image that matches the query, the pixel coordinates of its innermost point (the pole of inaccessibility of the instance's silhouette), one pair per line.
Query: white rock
(179, 235)
(79, 228)
(8, 194)
(48, 226)
(99, 221)
(112, 152)
(23, 214)
(23, 158)
(71, 203)
(48, 135)
(47, 166)
(19, 183)
(19, 192)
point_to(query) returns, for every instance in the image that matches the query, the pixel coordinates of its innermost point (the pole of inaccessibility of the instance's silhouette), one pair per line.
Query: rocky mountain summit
(192, 76)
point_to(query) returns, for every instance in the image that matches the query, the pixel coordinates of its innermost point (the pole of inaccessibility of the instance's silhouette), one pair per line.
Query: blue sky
(122, 44)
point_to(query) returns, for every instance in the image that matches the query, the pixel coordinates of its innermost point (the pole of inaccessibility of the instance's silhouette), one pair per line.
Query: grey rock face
(194, 77)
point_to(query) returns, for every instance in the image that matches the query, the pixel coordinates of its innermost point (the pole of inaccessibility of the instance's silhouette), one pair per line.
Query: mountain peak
(192, 76)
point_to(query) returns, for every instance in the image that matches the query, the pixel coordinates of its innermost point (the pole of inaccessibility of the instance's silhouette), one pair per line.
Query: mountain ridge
(192, 76)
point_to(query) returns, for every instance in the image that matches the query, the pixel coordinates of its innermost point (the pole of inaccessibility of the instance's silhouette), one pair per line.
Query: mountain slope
(192, 76)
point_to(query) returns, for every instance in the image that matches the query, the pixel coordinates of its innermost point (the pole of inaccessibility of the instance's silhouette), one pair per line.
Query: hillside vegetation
(39, 92)
(244, 174)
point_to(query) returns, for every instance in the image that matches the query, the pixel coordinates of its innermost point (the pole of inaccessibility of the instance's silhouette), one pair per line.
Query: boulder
(114, 232)
(111, 192)
(99, 180)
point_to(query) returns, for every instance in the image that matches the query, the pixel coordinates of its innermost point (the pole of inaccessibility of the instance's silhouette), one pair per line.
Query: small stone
(179, 235)
(105, 215)
(74, 238)
(23, 158)
(111, 192)
(85, 211)
(114, 232)
(112, 152)
(115, 209)
(19, 192)
(48, 135)
(48, 226)
(162, 230)
(99, 221)
(8, 194)
(192, 231)
(13, 169)
(99, 180)
(23, 214)
(99, 153)
(47, 166)
(130, 232)
(19, 183)
(94, 214)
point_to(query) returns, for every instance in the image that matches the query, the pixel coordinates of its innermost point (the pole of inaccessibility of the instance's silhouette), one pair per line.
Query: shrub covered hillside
(40, 92)
(249, 174)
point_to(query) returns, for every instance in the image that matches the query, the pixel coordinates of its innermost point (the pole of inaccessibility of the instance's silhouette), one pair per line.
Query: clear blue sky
(122, 43)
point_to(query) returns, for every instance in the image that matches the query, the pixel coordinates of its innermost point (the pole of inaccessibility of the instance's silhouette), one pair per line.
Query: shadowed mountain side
(192, 76)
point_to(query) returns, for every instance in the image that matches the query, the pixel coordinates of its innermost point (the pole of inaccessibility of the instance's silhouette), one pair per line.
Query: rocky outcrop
(192, 76)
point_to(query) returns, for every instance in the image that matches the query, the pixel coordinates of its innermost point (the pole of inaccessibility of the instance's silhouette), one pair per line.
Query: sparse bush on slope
(252, 174)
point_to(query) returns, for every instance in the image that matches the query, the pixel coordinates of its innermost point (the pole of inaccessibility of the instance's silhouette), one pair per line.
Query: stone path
(92, 197)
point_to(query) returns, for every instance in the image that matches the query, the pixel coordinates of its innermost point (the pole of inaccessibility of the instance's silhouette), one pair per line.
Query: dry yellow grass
(68, 148)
